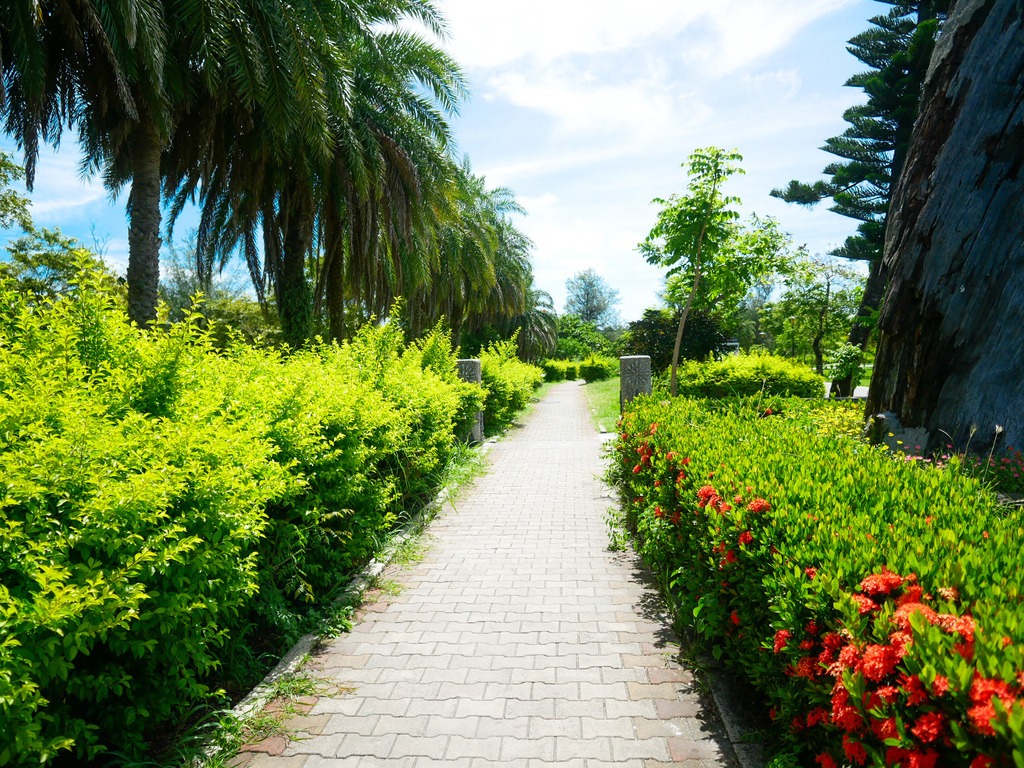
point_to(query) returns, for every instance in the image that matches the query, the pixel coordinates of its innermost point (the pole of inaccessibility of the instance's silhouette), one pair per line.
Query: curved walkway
(520, 640)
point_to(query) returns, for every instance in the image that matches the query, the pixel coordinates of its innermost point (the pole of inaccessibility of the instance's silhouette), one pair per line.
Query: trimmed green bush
(744, 374)
(172, 510)
(554, 370)
(509, 383)
(875, 601)
(571, 370)
(598, 368)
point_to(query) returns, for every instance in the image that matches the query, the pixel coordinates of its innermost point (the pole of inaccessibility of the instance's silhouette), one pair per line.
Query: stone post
(634, 378)
(472, 371)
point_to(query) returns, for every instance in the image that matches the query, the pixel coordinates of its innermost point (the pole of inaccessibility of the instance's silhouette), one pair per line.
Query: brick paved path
(519, 641)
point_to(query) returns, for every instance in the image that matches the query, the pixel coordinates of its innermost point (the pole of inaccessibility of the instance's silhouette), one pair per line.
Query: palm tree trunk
(144, 229)
(294, 298)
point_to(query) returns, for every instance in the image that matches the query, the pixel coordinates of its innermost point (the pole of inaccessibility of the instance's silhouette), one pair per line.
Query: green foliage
(749, 374)
(814, 312)
(655, 335)
(45, 263)
(874, 601)
(172, 510)
(123, 525)
(578, 339)
(13, 205)
(598, 368)
(554, 370)
(846, 361)
(509, 383)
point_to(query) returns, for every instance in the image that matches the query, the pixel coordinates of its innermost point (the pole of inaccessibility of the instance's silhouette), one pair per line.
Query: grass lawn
(603, 398)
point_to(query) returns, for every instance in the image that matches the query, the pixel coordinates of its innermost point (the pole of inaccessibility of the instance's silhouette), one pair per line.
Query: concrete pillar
(634, 378)
(472, 371)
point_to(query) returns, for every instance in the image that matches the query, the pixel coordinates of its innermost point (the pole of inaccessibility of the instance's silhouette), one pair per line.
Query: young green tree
(699, 238)
(592, 299)
(814, 311)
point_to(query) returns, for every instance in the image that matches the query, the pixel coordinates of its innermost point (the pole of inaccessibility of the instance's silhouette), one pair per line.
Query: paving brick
(517, 641)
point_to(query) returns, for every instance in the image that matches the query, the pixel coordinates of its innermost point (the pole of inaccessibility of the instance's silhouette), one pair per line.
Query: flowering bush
(875, 602)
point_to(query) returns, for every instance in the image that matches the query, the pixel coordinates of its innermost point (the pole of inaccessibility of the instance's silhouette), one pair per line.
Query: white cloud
(486, 34)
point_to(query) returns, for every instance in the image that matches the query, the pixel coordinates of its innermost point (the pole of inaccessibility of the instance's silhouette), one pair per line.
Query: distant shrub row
(592, 369)
(167, 505)
(876, 602)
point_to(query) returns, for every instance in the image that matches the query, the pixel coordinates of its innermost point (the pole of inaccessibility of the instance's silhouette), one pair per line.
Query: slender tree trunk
(294, 298)
(860, 333)
(144, 227)
(674, 379)
(951, 342)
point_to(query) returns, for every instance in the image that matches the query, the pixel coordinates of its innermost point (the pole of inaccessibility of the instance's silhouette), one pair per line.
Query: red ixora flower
(781, 638)
(730, 556)
(811, 572)
(864, 604)
(929, 726)
(854, 750)
(705, 493)
(758, 505)
(825, 760)
(881, 583)
(922, 759)
(904, 612)
(746, 537)
(735, 618)
(815, 716)
(983, 691)
(879, 661)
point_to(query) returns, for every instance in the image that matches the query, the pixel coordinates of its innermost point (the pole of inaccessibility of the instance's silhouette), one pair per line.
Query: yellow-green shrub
(509, 383)
(748, 374)
(598, 368)
(152, 483)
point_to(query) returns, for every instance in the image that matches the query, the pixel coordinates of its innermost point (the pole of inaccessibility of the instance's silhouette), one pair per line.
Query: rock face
(951, 346)
(634, 378)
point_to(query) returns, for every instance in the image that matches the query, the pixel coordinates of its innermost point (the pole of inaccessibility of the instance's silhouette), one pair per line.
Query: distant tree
(813, 313)
(46, 263)
(578, 339)
(699, 238)
(13, 205)
(873, 149)
(951, 332)
(654, 334)
(592, 299)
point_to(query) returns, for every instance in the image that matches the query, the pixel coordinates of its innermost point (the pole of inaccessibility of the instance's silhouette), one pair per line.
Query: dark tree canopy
(951, 347)
(592, 299)
(655, 333)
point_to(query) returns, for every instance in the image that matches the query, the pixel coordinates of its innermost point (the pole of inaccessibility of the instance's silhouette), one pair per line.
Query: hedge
(743, 374)
(874, 601)
(509, 383)
(167, 504)
(598, 368)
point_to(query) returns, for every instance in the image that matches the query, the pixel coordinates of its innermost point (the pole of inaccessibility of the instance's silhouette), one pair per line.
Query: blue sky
(587, 108)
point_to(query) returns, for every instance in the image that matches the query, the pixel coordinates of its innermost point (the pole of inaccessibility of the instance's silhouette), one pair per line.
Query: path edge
(297, 655)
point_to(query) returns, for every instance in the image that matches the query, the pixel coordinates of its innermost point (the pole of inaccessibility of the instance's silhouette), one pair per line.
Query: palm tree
(353, 209)
(537, 326)
(130, 75)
